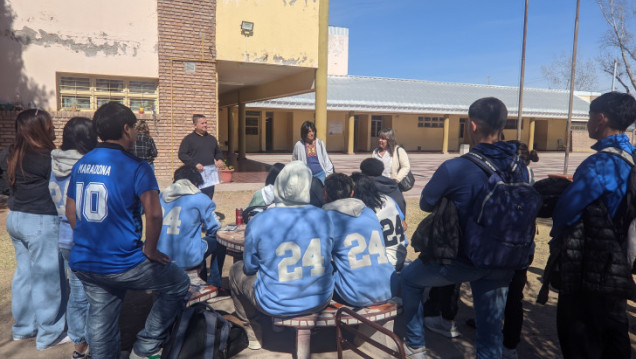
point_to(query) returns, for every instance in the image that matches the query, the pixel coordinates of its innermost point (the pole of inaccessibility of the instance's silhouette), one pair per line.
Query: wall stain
(291, 2)
(294, 61)
(27, 36)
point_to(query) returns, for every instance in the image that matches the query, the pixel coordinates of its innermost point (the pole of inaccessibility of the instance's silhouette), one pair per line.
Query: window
(376, 125)
(251, 122)
(578, 126)
(84, 92)
(435, 122)
(512, 124)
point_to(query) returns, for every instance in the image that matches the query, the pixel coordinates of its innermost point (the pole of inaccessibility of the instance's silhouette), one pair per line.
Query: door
(269, 131)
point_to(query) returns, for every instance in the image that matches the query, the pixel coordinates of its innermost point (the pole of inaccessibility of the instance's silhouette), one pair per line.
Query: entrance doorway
(269, 131)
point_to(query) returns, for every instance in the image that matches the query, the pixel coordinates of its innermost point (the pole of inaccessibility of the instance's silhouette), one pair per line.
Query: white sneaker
(254, 345)
(419, 353)
(439, 325)
(509, 353)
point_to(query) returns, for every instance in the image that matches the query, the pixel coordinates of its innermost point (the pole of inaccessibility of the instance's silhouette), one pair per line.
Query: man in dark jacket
(461, 181)
(201, 150)
(373, 168)
(592, 320)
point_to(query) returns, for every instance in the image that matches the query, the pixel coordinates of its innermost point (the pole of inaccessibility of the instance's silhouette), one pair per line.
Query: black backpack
(201, 332)
(500, 233)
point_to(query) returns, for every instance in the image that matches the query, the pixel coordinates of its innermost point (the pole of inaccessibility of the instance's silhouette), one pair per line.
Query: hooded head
(372, 167)
(292, 185)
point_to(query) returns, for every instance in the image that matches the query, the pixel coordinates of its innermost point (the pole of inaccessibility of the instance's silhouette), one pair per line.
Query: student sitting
(362, 271)
(286, 268)
(390, 217)
(185, 210)
(265, 195)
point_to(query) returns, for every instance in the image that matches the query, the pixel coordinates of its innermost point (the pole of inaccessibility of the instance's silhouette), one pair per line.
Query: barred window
(88, 92)
(435, 122)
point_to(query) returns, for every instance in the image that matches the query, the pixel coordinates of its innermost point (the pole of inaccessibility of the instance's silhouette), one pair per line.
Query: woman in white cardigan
(396, 161)
(312, 152)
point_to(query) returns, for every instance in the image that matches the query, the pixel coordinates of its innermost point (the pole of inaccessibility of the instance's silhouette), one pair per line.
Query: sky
(466, 41)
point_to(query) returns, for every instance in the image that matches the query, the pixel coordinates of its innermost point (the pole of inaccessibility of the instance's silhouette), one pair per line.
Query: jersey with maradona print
(106, 185)
(290, 249)
(363, 272)
(183, 214)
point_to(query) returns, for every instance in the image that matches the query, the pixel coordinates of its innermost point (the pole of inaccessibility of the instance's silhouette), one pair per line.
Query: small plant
(227, 166)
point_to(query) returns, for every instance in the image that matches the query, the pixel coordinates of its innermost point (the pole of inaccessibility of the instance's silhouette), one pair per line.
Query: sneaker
(156, 355)
(442, 326)
(509, 353)
(419, 353)
(254, 345)
(78, 355)
(61, 340)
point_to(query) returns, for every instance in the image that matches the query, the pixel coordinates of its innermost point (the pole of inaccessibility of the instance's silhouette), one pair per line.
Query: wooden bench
(327, 318)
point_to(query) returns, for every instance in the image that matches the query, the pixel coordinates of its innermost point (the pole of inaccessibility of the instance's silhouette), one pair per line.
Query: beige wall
(338, 51)
(285, 32)
(117, 37)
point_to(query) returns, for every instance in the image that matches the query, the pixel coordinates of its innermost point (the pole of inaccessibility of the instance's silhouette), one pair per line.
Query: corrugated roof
(382, 95)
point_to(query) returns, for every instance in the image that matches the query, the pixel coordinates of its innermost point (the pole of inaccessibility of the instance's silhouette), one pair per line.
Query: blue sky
(468, 41)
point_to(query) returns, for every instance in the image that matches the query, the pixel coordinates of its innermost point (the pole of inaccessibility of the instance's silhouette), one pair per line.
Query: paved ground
(251, 172)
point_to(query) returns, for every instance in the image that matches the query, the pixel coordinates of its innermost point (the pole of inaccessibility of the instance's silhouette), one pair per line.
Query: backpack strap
(186, 316)
(631, 159)
(482, 162)
(210, 332)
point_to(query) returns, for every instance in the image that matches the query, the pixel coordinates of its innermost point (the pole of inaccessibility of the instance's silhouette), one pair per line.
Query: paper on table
(210, 176)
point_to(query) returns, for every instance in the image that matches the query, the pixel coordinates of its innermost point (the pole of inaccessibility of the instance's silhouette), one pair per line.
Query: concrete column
(230, 131)
(351, 128)
(321, 72)
(531, 135)
(241, 131)
(446, 130)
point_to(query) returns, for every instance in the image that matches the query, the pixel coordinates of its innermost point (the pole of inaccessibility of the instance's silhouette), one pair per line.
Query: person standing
(596, 273)
(201, 150)
(32, 223)
(78, 138)
(106, 190)
(394, 157)
(312, 152)
(144, 147)
(461, 181)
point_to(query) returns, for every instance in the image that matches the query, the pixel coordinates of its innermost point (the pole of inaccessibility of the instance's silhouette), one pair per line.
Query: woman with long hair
(38, 283)
(78, 138)
(313, 152)
(396, 161)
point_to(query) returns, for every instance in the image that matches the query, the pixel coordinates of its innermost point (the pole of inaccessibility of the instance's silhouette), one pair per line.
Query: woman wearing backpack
(396, 161)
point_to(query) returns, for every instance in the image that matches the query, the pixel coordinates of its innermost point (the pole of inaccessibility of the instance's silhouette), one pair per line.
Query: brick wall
(182, 23)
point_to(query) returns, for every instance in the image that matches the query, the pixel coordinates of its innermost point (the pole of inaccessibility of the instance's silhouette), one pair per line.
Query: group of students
(82, 204)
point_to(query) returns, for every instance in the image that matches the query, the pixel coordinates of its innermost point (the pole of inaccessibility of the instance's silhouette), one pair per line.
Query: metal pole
(569, 124)
(614, 77)
(523, 69)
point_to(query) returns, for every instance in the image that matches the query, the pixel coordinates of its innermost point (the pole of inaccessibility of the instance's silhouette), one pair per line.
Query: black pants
(209, 191)
(592, 325)
(513, 314)
(443, 300)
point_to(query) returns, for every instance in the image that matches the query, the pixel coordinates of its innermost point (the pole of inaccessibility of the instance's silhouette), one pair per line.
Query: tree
(618, 41)
(558, 74)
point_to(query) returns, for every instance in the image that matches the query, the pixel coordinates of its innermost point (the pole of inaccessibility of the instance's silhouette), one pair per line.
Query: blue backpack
(500, 233)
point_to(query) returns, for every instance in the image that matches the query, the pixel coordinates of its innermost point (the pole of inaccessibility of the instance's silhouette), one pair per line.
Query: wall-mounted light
(247, 28)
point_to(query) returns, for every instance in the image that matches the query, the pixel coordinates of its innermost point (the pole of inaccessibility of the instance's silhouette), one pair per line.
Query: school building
(256, 68)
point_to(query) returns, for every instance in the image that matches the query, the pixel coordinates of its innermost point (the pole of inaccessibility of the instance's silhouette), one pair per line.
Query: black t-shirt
(30, 193)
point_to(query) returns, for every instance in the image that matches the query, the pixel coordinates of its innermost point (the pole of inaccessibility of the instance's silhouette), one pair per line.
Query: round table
(234, 241)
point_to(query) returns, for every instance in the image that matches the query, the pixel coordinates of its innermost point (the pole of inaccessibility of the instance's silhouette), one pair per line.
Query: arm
(216, 151)
(295, 153)
(184, 152)
(152, 148)
(435, 189)
(405, 165)
(324, 156)
(70, 211)
(250, 252)
(209, 218)
(154, 221)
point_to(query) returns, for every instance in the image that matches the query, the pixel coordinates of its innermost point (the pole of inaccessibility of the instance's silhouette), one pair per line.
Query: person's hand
(156, 256)
(199, 167)
(404, 226)
(219, 163)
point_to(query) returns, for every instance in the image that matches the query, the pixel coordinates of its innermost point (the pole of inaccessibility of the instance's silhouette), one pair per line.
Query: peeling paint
(291, 2)
(88, 45)
(295, 61)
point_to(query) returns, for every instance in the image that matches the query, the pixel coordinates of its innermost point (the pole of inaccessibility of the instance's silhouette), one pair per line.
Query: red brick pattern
(182, 25)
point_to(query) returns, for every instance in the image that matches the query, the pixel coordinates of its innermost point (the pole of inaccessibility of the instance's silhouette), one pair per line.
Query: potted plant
(226, 172)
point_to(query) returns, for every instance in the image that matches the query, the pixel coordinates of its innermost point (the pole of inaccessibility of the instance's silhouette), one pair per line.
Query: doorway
(269, 131)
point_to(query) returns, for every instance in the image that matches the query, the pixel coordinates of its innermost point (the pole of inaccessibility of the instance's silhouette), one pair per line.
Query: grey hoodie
(180, 188)
(349, 206)
(62, 162)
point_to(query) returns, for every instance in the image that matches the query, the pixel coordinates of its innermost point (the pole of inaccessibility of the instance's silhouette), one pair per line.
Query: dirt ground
(539, 337)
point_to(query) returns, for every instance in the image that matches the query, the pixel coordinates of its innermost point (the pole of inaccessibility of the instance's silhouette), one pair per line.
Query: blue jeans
(321, 176)
(489, 287)
(106, 293)
(77, 305)
(216, 262)
(39, 284)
